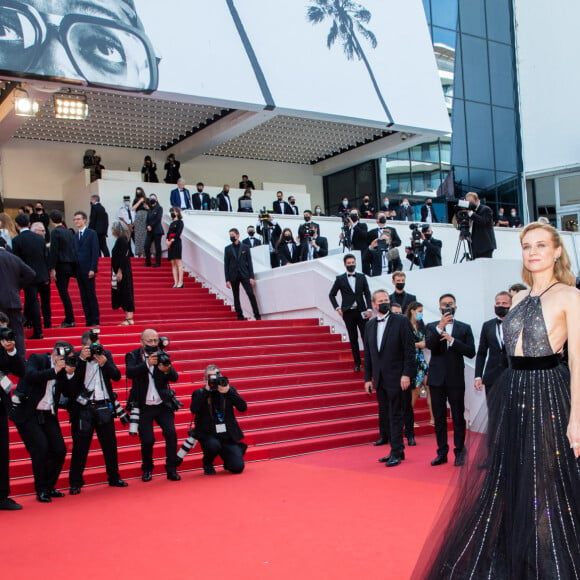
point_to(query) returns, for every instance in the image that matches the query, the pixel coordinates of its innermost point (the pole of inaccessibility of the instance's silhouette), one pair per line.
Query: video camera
(217, 380)
(7, 334)
(416, 236)
(264, 215)
(308, 230)
(68, 354)
(163, 357)
(462, 210)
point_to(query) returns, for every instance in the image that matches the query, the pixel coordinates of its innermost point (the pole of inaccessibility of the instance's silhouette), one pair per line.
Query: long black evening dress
(122, 296)
(516, 512)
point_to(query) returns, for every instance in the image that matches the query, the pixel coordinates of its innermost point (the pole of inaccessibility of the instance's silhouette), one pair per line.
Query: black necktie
(80, 236)
(498, 321)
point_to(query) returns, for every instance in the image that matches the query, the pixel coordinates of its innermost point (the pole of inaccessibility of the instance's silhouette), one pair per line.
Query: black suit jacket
(247, 242)
(204, 203)
(374, 234)
(138, 371)
(238, 264)
(154, 217)
(322, 251)
(403, 299)
(302, 227)
(482, 234)
(202, 407)
(405, 213)
(284, 253)
(359, 237)
(361, 296)
(9, 365)
(14, 275)
(31, 249)
(62, 247)
(425, 211)
(99, 219)
(446, 367)
(490, 350)
(394, 357)
(432, 254)
(275, 233)
(87, 252)
(277, 209)
(223, 203)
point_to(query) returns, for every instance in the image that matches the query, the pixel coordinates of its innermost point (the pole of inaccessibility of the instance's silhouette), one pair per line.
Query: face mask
(306, 218)
(366, 201)
(251, 233)
(232, 239)
(292, 202)
(428, 204)
(318, 210)
(152, 201)
(351, 268)
(384, 308)
(405, 204)
(419, 316)
(513, 214)
(287, 237)
(501, 311)
(400, 285)
(172, 215)
(428, 236)
(345, 203)
(127, 204)
(354, 217)
(386, 204)
(500, 213)
(383, 220)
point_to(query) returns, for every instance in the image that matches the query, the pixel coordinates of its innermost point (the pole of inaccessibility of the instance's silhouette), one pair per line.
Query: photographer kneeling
(216, 426)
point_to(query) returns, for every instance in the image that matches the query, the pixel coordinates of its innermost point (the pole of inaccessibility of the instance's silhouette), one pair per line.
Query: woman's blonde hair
(7, 223)
(562, 267)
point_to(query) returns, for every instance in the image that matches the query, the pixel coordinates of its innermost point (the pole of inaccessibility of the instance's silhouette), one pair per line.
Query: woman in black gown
(174, 246)
(516, 514)
(122, 275)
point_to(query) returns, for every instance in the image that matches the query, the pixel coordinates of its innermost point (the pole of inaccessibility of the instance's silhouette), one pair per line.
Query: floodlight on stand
(69, 106)
(24, 106)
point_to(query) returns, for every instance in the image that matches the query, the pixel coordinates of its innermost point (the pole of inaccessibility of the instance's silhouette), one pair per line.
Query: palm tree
(348, 18)
(268, 98)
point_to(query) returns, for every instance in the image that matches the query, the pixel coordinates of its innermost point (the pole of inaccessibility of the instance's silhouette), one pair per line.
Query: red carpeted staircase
(296, 376)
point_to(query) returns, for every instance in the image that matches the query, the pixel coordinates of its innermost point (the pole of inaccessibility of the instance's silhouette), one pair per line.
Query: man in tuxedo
(405, 211)
(307, 222)
(200, 199)
(62, 261)
(11, 363)
(389, 368)
(252, 240)
(270, 231)
(154, 231)
(31, 249)
(87, 247)
(239, 270)
(482, 235)
(428, 213)
(223, 198)
(151, 395)
(313, 246)
(354, 236)
(449, 340)
(399, 296)
(280, 206)
(91, 397)
(180, 196)
(34, 412)
(491, 354)
(355, 308)
(429, 252)
(99, 222)
(382, 226)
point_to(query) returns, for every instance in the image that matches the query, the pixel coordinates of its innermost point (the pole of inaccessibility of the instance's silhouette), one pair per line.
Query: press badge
(6, 384)
(220, 428)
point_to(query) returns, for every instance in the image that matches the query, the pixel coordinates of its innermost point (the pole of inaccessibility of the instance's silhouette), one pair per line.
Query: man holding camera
(429, 254)
(90, 405)
(11, 363)
(216, 427)
(151, 399)
(482, 234)
(34, 412)
(270, 231)
(312, 246)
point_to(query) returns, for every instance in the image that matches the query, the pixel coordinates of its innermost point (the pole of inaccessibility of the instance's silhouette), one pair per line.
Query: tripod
(464, 247)
(417, 256)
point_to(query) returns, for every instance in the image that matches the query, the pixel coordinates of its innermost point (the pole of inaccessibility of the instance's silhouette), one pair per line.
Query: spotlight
(69, 106)
(24, 106)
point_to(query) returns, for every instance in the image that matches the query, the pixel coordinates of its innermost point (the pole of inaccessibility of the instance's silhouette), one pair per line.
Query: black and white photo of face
(100, 42)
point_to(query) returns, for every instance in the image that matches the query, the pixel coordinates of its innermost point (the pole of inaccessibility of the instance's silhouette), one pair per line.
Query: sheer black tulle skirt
(515, 512)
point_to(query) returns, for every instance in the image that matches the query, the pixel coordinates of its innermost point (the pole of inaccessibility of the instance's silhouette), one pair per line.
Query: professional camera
(264, 215)
(84, 397)
(416, 240)
(96, 348)
(187, 446)
(173, 402)
(462, 210)
(119, 411)
(308, 230)
(163, 357)
(70, 358)
(6, 333)
(134, 421)
(217, 380)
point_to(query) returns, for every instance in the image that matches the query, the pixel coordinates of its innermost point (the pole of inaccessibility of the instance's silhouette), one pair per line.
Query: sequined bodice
(527, 319)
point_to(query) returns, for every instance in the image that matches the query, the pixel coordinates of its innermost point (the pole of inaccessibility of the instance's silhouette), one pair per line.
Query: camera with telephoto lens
(163, 357)
(416, 240)
(70, 358)
(119, 411)
(7, 334)
(264, 215)
(187, 446)
(217, 380)
(134, 421)
(172, 401)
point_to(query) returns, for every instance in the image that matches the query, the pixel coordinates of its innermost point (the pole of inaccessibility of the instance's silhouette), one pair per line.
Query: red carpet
(337, 514)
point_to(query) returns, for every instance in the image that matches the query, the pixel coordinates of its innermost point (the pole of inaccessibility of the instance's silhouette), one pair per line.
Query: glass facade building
(473, 41)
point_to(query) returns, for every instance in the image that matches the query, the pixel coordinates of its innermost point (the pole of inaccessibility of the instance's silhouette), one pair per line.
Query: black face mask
(428, 204)
(354, 217)
(400, 285)
(351, 268)
(251, 233)
(287, 237)
(501, 311)
(428, 236)
(306, 218)
(366, 201)
(152, 202)
(292, 202)
(232, 239)
(172, 215)
(199, 190)
(383, 220)
(384, 308)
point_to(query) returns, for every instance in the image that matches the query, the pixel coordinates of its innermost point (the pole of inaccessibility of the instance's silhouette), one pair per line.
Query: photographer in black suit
(389, 368)
(355, 307)
(312, 246)
(239, 270)
(90, 406)
(270, 231)
(449, 340)
(31, 249)
(11, 363)
(482, 233)
(151, 399)
(430, 250)
(216, 426)
(34, 412)
(99, 222)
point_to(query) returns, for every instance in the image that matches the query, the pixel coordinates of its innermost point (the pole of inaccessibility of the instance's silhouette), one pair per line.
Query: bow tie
(351, 275)
(382, 319)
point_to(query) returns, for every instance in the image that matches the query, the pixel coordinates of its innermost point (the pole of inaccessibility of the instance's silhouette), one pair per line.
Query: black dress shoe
(55, 493)
(357, 369)
(173, 476)
(74, 490)
(439, 460)
(8, 504)
(67, 325)
(411, 441)
(36, 337)
(43, 497)
(147, 265)
(209, 470)
(460, 458)
(147, 476)
(400, 457)
(118, 482)
(393, 461)
(380, 441)
(157, 265)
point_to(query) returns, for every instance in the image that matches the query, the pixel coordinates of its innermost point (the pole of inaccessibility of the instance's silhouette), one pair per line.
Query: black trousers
(456, 397)
(149, 240)
(165, 418)
(89, 299)
(103, 245)
(354, 321)
(43, 440)
(231, 452)
(383, 402)
(250, 292)
(476, 254)
(15, 323)
(4, 455)
(392, 401)
(80, 449)
(32, 306)
(64, 272)
(408, 413)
